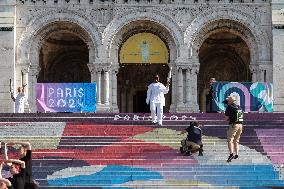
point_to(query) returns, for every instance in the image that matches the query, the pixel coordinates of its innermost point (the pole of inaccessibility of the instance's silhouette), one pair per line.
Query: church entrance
(133, 81)
(225, 56)
(141, 57)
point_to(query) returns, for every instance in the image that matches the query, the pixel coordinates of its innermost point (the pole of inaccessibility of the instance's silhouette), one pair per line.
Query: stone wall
(278, 53)
(6, 54)
(184, 24)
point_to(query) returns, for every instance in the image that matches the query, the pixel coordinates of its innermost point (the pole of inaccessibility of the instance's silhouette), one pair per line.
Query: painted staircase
(125, 151)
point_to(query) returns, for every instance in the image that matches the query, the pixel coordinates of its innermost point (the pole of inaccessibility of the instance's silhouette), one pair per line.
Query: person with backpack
(193, 141)
(234, 115)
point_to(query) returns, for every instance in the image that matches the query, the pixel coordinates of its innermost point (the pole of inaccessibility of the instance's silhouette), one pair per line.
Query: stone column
(194, 73)
(106, 87)
(92, 69)
(25, 82)
(188, 91)
(265, 68)
(99, 85)
(174, 88)
(114, 90)
(32, 80)
(179, 87)
(254, 72)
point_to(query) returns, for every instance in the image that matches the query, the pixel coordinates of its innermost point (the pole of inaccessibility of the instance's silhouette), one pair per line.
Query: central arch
(141, 56)
(128, 24)
(133, 77)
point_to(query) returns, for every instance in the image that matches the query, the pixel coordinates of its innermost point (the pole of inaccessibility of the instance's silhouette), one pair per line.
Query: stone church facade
(80, 41)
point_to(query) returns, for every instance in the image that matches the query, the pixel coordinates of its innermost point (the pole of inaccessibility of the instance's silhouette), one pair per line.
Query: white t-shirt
(155, 93)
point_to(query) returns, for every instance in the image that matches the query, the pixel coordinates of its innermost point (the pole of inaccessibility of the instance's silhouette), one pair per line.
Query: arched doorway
(64, 55)
(141, 56)
(225, 56)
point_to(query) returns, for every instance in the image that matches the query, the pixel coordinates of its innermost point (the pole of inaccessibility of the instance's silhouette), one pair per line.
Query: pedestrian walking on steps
(234, 115)
(155, 96)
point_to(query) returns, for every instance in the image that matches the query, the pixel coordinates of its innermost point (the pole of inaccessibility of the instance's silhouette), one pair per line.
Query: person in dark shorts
(234, 115)
(193, 141)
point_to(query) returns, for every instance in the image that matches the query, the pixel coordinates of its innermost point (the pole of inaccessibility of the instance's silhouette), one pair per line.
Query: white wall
(6, 55)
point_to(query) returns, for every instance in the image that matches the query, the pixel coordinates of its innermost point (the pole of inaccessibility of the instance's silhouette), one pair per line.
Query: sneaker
(231, 156)
(154, 122)
(188, 153)
(236, 157)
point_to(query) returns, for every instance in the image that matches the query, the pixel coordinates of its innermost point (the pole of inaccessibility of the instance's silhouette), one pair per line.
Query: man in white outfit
(20, 100)
(155, 96)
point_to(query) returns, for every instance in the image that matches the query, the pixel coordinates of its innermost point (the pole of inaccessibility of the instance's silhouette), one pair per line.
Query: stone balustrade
(88, 2)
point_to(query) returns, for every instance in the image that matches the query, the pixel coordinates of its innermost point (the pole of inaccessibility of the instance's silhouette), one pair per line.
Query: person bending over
(193, 142)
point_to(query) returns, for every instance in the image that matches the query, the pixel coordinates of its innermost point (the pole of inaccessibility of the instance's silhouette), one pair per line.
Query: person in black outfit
(234, 115)
(193, 142)
(25, 154)
(210, 96)
(17, 169)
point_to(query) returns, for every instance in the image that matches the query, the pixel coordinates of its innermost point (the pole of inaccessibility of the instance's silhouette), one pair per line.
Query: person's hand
(147, 101)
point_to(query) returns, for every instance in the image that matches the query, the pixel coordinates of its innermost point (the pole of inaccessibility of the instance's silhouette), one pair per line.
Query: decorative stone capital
(194, 68)
(265, 65)
(34, 70)
(182, 63)
(102, 66)
(115, 68)
(253, 68)
(24, 65)
(25, 68)
(92, 67)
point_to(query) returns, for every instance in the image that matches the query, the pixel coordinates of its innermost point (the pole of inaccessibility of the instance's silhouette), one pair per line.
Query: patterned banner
(250, 96)
(66, 97)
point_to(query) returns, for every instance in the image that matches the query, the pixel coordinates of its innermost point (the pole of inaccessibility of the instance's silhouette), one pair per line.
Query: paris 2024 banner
(66, 97)
(252, 97)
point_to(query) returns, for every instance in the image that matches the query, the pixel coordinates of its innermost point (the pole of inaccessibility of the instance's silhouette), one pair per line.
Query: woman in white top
(155, 96)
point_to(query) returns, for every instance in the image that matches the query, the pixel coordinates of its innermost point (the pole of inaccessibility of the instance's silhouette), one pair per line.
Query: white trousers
(159, 108)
